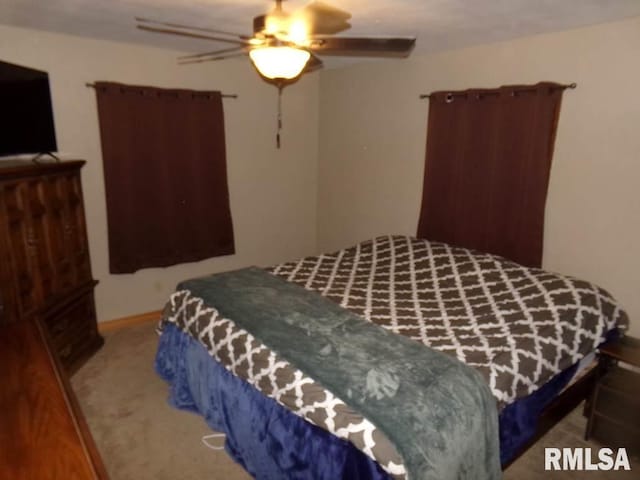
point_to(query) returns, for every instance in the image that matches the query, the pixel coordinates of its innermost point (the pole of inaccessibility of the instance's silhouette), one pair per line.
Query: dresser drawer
(616, 403)
(73, 330)
(613, 433)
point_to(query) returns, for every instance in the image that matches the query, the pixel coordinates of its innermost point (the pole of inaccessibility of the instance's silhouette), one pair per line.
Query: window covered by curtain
(487, 168)
(165, 176)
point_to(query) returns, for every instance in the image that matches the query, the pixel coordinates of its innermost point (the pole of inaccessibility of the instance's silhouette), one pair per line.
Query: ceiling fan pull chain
(279, 115)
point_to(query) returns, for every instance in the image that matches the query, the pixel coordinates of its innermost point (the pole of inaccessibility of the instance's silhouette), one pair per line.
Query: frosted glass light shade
(279, 62)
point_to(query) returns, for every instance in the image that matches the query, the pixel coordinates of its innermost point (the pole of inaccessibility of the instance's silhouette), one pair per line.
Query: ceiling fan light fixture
(298, 31)
(279, 61)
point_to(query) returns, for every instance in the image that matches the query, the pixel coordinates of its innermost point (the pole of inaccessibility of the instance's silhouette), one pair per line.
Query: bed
(527, 332)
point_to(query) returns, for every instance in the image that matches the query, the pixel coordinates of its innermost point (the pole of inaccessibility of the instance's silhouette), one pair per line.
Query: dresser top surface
(42, 430)
(626, 350)
(27, 167)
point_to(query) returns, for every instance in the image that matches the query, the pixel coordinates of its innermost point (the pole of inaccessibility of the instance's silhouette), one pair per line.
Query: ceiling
(438, 24)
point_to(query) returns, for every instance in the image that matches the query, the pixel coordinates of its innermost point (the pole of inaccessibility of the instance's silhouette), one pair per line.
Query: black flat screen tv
(26, 116)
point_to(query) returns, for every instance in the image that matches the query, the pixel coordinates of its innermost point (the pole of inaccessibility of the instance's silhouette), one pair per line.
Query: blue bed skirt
(271, 442)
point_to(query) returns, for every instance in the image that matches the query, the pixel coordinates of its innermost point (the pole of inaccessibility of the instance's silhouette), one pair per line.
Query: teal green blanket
(438, 412)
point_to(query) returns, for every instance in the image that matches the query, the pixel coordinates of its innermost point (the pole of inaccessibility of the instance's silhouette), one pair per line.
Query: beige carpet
(141, 437)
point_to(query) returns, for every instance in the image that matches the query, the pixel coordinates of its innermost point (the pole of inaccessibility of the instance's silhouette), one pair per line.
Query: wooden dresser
(614, 405)
(43, 435)
(45, 270)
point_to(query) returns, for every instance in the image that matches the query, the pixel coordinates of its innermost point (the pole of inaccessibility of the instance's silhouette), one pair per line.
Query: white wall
(273, 192)
(351, 165)
(373, 135)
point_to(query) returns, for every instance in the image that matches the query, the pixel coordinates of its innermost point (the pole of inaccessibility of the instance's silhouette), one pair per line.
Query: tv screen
(26, 117)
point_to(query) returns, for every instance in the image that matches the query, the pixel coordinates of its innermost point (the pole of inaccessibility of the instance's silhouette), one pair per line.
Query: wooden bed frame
(561, 406)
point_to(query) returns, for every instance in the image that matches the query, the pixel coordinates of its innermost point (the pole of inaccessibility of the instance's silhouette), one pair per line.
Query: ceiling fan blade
(191, 35)
(398, 47)
(211, 54)
(198, 29)
(210, 59)
(323, 19)
(314, 63)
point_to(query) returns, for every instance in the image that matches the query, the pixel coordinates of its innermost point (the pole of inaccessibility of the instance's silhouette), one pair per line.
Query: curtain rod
(223, 95)
(563, 87)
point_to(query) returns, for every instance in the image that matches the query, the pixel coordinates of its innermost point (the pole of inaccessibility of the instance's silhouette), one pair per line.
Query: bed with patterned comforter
(517, 326)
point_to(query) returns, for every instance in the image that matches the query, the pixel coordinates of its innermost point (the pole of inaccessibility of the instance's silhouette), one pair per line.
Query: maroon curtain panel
(487, 167)
(165, 176)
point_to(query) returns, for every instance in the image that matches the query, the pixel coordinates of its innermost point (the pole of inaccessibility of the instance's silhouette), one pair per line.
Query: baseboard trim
(118, 323)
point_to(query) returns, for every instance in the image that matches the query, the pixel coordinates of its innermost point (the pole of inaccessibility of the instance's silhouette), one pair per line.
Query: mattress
(518, 326)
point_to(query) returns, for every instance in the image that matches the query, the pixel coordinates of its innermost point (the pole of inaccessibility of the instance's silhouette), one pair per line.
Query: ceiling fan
(285, 45)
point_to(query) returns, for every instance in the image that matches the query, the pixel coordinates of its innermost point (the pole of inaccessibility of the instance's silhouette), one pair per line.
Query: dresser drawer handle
(59, 327)
(31, 239)
(65, 352)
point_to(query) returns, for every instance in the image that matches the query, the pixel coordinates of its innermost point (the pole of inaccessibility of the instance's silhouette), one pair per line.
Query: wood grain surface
(43, 434)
